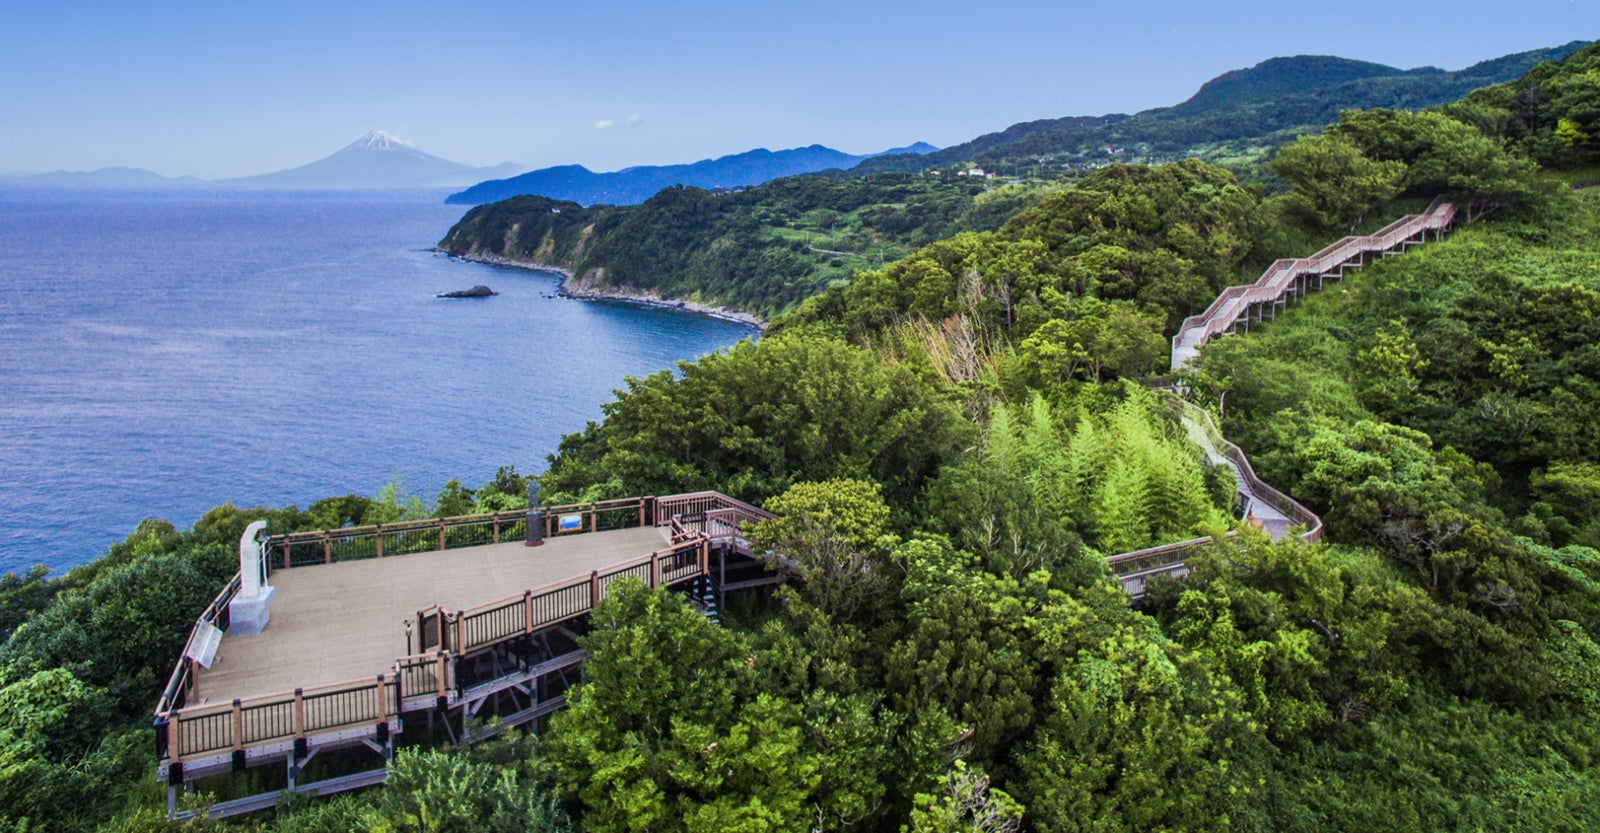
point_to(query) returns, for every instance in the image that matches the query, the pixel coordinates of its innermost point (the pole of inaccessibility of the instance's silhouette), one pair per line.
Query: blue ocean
(165, 352)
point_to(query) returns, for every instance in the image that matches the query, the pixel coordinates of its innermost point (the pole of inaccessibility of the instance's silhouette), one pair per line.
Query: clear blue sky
(221, 89)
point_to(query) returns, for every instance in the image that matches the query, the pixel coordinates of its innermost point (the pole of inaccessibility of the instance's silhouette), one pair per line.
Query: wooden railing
(1284, 276)
(180, 686)
(428, 674)
(1133, 568)
(207, 730)
(477, 628)
(1290, 508)
(299, 549)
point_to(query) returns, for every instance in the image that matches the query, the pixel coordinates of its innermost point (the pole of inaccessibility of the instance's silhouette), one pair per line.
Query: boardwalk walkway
(1272, 519)
(1234, 310)
(1291, 278)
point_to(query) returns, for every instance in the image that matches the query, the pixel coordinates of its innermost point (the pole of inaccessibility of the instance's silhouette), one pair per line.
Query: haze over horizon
(199, 90)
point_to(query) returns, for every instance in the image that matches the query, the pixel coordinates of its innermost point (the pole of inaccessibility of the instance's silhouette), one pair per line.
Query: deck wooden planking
(346, 620)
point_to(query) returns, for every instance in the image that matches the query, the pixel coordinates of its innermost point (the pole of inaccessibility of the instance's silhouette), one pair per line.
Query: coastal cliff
(560, 236)
(591, 287)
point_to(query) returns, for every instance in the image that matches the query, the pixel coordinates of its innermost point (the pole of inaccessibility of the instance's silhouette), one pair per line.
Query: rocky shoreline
(571, 288)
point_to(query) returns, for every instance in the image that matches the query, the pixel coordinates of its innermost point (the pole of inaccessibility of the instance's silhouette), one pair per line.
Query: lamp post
(535, 535)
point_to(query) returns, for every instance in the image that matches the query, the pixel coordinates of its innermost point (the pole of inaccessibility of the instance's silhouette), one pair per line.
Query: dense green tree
(1444, 156)
(679, 740)
(760, 417)
(1127, 718)
(1332, 184)
(119, 633)
(967, 805)
(436, 791)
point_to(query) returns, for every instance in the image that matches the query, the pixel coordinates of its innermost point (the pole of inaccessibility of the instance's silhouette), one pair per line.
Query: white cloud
(631, 121)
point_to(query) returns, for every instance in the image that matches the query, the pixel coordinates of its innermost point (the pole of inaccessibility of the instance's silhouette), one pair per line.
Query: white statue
(250, 609)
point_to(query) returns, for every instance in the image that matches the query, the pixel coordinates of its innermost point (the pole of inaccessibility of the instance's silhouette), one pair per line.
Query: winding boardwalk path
(1233, 311)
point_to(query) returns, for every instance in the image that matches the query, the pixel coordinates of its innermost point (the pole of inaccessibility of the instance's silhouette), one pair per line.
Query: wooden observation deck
(446, 618)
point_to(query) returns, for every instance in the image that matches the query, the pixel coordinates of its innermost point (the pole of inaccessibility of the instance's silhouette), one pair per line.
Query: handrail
(1225, 311)
(182, 675)
(280, 716)
(521, 614)
(1284, 504)
(699, 502)
(436, 534)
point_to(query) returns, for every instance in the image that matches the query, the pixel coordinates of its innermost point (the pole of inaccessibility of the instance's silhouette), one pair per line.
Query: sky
(219, 89)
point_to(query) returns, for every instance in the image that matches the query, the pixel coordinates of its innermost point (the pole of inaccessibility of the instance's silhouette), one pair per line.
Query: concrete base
(248, 616)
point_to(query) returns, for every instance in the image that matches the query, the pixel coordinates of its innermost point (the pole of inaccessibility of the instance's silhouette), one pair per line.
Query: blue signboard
(569, 523)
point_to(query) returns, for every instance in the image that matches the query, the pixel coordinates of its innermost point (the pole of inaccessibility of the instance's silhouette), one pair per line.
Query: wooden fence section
(300, 549)
(693, 507)
(286, 717)
(1291, 277)
(428, 678)
(180, 686)
(471, 630)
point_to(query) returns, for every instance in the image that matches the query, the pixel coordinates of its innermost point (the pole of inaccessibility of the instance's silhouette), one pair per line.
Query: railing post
(641, 511)
(705, 556)
(461, 632)
(174, 753)
(286, 554)
(594, 519)
(238, 727)
(655, 571)
(299, 715)
(327, 549)
(594, 589)
(496, 524)
(441, 534)
(379, 539)
(383, 702)
(440, 675)
(527, 611)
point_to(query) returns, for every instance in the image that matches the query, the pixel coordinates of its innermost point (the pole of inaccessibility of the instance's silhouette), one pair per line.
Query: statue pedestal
(247, 615)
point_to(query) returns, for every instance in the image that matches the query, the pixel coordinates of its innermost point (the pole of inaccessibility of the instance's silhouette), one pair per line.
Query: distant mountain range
(634, 185)
(376, 160)
(379, 160)
(1281, 94)
(101, 178)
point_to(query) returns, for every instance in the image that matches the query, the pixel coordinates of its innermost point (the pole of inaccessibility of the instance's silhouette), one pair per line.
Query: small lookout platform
(348, 619)
(349, 637)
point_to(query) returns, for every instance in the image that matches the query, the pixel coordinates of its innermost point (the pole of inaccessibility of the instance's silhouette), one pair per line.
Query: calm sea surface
(162, 353)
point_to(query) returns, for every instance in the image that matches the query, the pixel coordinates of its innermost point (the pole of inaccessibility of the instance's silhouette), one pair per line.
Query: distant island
(479, 291)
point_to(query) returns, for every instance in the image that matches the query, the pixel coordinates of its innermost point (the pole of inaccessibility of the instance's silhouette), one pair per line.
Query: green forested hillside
(760, 249)
(1255, 106)
(951, 442)
(765, 249)
(1549, 114)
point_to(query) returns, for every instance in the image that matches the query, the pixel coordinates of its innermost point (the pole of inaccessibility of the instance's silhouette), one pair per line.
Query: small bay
(165, 352)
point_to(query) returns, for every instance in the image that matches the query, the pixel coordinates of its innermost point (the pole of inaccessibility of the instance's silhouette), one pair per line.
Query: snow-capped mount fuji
(380, 160)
